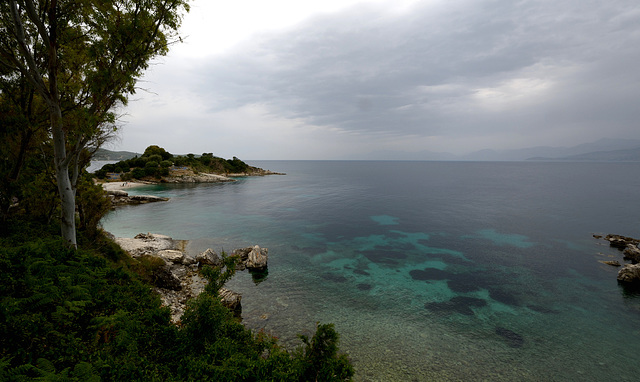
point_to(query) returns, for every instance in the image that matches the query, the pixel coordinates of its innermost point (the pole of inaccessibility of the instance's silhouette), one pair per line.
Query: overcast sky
(292, 79)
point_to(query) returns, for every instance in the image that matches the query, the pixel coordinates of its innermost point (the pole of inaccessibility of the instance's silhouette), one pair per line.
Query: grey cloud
(417, 73)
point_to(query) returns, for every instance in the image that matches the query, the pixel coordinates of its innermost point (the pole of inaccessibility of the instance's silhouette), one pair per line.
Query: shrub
(138, 173)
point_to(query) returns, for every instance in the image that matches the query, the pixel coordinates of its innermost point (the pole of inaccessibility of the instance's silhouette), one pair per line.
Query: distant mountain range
(601, 150)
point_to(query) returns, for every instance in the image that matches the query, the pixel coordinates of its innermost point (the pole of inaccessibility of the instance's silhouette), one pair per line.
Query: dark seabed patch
(460, 304)
(512, 338)
(364, 286)
(309, 250)
(384, 256)
(458, 282)
(429, 274)
(504, 297)
(465, 282)
(543, 309)
(360, 272)
(333, 277)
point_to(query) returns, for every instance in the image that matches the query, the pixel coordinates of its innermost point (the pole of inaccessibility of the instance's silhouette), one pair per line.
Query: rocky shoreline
(629, 274)
(177, 278)
(119, 197)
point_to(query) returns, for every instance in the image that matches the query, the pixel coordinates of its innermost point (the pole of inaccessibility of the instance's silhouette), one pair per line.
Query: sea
(430, 271)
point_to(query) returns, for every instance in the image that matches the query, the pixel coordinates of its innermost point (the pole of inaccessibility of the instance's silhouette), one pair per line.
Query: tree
(83, 58)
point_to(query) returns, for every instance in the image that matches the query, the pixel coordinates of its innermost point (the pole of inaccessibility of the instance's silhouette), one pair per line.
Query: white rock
(171, 255)
(257, 258)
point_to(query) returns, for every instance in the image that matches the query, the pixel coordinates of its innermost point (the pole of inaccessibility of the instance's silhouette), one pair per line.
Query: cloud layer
(441, 76)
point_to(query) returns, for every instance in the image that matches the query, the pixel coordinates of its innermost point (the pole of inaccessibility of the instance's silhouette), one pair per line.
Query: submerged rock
(429, 274)
(333, 277)
(504, 297)
(512, 338)
(611, 262)
(460, 304)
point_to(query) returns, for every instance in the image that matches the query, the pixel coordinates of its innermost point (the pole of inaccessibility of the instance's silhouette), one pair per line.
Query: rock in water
(621, 242)
(209, 257)
(512, 338)
(252, 258)
(632, 253)
(630, 274)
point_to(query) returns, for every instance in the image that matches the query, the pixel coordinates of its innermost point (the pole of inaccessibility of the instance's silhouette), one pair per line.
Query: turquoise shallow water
(430, 270)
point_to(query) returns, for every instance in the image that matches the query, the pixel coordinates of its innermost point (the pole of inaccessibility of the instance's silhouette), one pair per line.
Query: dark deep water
(430, 270)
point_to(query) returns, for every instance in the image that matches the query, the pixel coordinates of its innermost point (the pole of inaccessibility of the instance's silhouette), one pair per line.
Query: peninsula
(156, 165)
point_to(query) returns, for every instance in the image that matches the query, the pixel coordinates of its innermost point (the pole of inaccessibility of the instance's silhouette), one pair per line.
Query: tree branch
(31, 71)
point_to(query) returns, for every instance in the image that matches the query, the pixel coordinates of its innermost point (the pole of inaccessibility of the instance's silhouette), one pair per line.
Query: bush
(319, 359)
(151, 164)
(138, 173)
(93, 204)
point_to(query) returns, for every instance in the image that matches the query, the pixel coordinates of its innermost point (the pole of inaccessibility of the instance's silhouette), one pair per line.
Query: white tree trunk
(65, 189)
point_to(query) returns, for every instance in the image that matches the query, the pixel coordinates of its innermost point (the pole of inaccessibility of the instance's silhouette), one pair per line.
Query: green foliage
(92, 203)
(39, 198)
(138, 173)
(319, 359)
(155, 162)
(90, 315)
(219, 275)
(154, 150)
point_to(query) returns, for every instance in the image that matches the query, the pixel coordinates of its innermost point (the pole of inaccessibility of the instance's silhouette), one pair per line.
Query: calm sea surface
(452, 271)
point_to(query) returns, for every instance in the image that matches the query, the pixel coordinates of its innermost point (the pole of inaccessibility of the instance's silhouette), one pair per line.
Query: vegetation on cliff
(87, 314)
(156, 162)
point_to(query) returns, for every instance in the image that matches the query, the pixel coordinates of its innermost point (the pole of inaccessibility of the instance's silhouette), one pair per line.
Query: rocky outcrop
(120, 198)
(628, 246)
(178, 279)
(630, 274)
(231, 300)
(252, 258)
(147, 244)
(209, 257)
(632, 253)
(621, 242)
